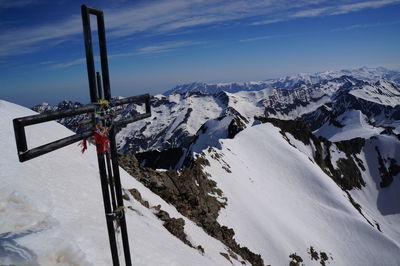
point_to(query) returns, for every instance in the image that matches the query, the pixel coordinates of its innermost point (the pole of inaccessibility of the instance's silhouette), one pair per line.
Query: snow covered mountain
(176, 118)
(215, 88)
(274, 194)
(289, 82)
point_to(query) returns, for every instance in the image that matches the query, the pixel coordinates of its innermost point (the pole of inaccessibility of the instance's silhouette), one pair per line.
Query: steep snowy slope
(380, 197)
(280, 203)
(51, 210)
(352, 124)
(382, 92)
(379, 102)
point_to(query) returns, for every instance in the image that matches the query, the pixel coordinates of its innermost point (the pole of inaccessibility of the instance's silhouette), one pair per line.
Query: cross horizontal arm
(92, 10)
(138, 98)
(52, 146)
(19, 129)
(45, 117)
(122, 123)
(134, 99)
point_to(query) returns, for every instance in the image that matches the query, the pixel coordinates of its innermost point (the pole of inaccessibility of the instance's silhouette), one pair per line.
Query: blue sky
(155, 45)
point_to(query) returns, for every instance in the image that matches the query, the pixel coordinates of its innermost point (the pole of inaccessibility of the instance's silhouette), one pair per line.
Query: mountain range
(289, 82)
(302, 170)
(177, 117)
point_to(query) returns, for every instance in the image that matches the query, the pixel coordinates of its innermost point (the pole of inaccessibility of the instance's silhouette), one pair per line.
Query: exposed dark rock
(203, 128)
(318, 117)
(165, 159)
(394, 168)
(235, 126)
(174, 225)
(347, 174)
(386, 175)
(313, 253)
(137, 196)
(226, 256)
(296, 260)
(378, 227)
(201, 249)
(298, 129)
(324, 258)
(352, 146)
(388, 131)
(335, 123)
(358, 207)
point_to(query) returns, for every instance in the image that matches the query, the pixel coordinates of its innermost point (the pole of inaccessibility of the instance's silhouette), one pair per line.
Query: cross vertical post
(112, 183)
(86, 11)
(99, 86)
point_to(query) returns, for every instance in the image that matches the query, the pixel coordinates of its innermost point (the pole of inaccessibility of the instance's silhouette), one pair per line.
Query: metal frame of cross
(109, 170)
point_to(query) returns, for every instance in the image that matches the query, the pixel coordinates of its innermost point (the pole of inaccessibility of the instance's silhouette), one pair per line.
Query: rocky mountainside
(176, 118)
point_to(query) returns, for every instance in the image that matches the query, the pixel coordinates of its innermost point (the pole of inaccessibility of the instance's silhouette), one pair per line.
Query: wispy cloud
(165, 17)
(266, 37)
(366, 25)
(314, 12)
(331, 9)
(26, 40)
(75, 62)
(166, 47)
(347, 8)
(151, 49)
(256, 38)
(267, 21)
(4, 4)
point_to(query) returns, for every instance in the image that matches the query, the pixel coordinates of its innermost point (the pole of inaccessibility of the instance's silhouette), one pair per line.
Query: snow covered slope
(380, 197)
(352, 124)
(382, 92)
(280, 203)
(51, 210)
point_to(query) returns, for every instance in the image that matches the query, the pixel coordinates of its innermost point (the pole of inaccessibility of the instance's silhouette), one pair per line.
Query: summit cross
(102, 125)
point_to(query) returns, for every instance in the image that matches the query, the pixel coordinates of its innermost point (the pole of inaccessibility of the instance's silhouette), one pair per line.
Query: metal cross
(99, 111)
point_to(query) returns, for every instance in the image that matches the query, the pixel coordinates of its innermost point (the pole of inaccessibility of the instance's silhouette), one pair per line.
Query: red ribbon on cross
(102, 142)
